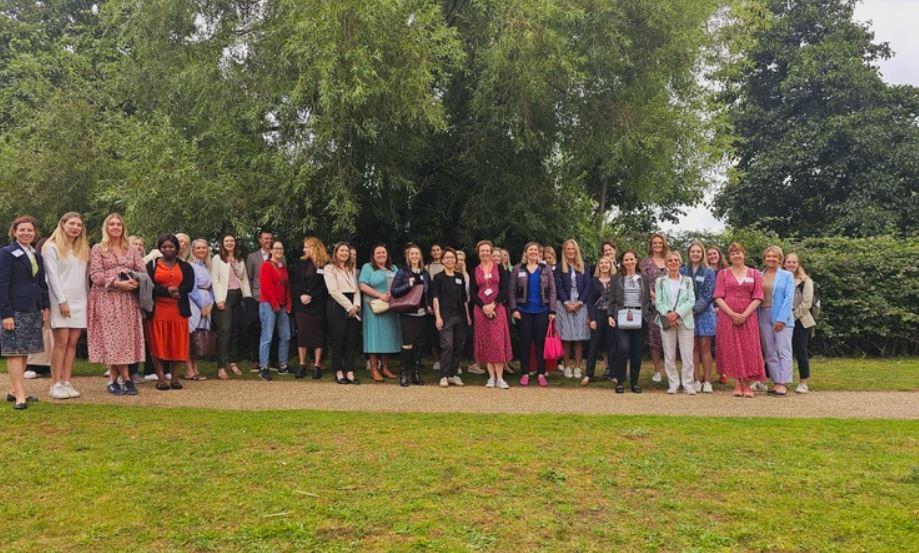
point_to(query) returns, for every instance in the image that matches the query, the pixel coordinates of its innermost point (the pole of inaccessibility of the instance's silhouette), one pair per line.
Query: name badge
(320, 271)
(748, 280)
(18, 253)
(700, 279)
(487, 276)
(636, 278)
(522, 274)
(458, 280)
(488, 292)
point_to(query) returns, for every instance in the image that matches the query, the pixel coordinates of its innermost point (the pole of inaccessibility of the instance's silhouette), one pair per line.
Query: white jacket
(220, 274)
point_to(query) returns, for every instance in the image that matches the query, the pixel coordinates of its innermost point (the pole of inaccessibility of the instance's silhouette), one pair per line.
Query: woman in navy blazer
(777, 320)
(23, 303)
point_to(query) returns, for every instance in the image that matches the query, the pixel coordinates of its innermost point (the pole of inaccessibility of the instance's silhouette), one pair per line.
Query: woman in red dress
(491, 335)
(738, 293)
(167, 326)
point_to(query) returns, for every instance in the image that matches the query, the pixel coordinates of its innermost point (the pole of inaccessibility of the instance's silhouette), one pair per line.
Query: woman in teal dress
(382, 333)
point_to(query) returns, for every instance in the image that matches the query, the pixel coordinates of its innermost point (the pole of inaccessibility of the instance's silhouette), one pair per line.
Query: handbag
(552, 349)
(628, 319)
(409, 302)
(203, 342)
(665, 323)
(378, 306)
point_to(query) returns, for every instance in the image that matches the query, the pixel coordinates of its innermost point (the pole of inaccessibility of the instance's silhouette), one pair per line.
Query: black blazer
(19, 290)
(306, 278)
(617, 298)
(185, 287)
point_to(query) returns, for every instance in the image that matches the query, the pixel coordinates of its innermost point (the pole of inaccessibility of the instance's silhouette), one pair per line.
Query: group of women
(135, 305)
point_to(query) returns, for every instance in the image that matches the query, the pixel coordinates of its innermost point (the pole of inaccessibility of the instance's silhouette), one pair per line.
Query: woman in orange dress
(167, 326)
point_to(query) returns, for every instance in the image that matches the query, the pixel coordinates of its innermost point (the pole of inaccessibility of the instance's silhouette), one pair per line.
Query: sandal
(162, 386)
(738, 390)
(776, 393)
(585, 381)
(176, 385)
(199, 377)
(235, 369)
(222, 374)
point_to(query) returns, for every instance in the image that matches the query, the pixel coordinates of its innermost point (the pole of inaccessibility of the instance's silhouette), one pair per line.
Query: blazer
(783, 297)
(804, 300)
(500, 298)
(220, 274)
(339, 283)
(595, 292)
(616, 293)
(400, 286)
(686, 300)
(519, 280)
(19, 289)
(563, 284)
(307, 278)
(185, 287)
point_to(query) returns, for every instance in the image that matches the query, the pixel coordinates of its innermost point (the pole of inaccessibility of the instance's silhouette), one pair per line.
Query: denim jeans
(270, 321)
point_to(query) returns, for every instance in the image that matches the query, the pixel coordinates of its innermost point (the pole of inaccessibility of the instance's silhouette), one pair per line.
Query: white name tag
(636, 278)
(488, 292)
(487, 276)
(320, 271)
(748, 280)
(522, 274)
(18, 253)
(700, 279)
(458, 280)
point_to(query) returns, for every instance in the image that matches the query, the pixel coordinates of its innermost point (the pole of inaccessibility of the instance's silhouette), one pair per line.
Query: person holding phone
(343, 312)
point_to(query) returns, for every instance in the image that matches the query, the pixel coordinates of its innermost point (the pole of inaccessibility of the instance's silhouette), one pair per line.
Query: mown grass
(107, 478)
(842, 373)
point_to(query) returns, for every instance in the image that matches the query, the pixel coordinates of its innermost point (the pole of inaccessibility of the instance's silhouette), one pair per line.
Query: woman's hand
(386, 297)
(64, 309)
(129, 284)
(778, 327)
(672, 318)
(9, 324)
(305, 299)
(551, 317)
(612, 322)
(516, 315)
(173, 292)
(592, 325)
(738, 319)
(353, 311)
(411, 281)
(439, 323)
(221, 305)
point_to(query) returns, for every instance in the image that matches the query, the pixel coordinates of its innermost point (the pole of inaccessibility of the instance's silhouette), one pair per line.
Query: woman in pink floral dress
(738, 293)
(115, 332)
(488, 294)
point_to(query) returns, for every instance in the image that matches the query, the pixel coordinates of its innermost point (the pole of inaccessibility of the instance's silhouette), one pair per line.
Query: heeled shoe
(375, 374)
(341, 379)
(388, 373)
(620, 389)
(317, 372)
(353, 380)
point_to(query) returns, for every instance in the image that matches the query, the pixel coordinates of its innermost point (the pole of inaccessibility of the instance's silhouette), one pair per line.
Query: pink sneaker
(525, 380)
(542, 381)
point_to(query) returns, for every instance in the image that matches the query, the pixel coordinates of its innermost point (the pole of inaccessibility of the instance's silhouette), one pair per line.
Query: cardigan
(220, 274)
(500, 298)
(616, 293)
(185, 287)
(519, 278)
(783, 296)
(20, 290)
(804, 300)
(306, 278)
(685, 301)
(274, 284)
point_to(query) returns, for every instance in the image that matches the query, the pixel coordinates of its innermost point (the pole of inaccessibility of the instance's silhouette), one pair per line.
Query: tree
(824, 146)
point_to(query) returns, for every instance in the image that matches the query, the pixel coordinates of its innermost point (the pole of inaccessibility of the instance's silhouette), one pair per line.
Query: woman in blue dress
(703, 280)
(201, 300)
(382, 332)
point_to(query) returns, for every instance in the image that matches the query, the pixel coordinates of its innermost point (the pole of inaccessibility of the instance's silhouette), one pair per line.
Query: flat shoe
(176, 385)
(162, 386)
(29, 399)
(585, 381)
(235, 370)
(20, 406)
(620, 389)
(222, 374)
(776, 393)
(341, 380)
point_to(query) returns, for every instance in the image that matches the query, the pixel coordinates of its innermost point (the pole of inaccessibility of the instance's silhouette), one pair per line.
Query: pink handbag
(553, 347)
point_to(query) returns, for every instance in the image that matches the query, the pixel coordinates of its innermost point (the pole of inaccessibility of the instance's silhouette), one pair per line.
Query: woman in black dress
(307, 287)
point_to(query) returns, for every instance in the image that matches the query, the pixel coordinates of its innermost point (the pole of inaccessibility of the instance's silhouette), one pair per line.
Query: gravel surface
(285, 393)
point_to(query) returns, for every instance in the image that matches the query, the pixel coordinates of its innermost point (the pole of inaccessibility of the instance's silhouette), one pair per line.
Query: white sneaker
(490, 383)
(801, 389)
(697, 386)
(137, 378)
(502, 385)
(58, 391)
(568, 373)
(455, 381)
(150, 378)
(30, 375)
(673, 389)
(107, 373)
(435, 367)
(656, 377)
(71, 391)
(690, 390)
(707, 388)
(757, 386)
(577, 372)
(168, 376)
(475, 369)
(444, 382)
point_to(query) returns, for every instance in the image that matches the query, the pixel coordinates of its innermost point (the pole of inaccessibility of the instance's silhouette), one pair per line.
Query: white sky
(894, 22)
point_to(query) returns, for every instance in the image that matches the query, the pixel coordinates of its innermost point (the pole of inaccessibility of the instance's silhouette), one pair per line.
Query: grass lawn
(842, 373)
(106, 478)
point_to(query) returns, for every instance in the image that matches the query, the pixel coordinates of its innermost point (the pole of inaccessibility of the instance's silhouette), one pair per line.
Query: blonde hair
(578, 260)
(62, 242)
(777, 250)
(799, 272)
(187, 255)
(676, 254)
(106, 242)
(612, 266)
(528, 245)
(207, 258)
(320, 254)
(704, 261)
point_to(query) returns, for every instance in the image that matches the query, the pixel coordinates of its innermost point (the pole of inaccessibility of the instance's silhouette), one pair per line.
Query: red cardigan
(275, 286)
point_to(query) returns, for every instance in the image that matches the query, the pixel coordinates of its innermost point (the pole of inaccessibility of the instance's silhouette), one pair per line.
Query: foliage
(824, 146)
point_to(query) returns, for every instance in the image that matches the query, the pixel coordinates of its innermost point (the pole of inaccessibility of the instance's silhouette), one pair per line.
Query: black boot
(403, 376)
(416, 368)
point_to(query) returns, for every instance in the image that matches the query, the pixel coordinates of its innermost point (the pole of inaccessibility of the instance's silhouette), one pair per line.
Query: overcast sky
(894, 22)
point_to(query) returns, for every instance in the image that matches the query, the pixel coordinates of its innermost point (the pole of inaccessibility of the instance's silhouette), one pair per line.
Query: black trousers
(533, 327)
(452, 340)
(343, 336)
(601, 340)
(629, 348)
(800, 339)
(227, 332)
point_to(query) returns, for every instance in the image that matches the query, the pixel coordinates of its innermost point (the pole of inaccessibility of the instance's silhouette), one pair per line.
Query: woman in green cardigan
(674, 298)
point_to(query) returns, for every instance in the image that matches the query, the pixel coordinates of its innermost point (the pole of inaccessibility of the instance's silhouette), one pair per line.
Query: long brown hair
(225, 253)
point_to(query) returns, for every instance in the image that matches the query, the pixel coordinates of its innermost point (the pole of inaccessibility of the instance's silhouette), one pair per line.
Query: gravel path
(326, 395)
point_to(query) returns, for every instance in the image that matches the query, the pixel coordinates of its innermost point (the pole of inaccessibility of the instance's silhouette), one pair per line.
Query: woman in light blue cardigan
(776, 320)
(674, 298)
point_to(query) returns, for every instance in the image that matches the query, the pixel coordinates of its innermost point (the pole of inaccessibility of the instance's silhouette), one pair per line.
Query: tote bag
(553, 347)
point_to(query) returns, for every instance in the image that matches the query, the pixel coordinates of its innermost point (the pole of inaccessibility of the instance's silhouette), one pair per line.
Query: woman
(274, 306)
(202, 301)
(66, 257)
(307, 284)
(804, 320)
(602, 335)
(499, 256)
(571, 283)
(674, 298)
(167, 325)
(230, 284)
(652, 268)
(23, 303)
(416, 325)
(703, 312)
(548, 256)
(184, 246)
(115, 328)
(491, 335)
(777, 320)
(451, 317)
(382, 332)
(717, 262)
(343, 312)
(738, 293)
(506, 261)
(608, 249)
(630, 303)
(532, 300)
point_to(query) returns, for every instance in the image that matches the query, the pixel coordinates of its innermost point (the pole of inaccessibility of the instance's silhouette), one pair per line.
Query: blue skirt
(26, 338)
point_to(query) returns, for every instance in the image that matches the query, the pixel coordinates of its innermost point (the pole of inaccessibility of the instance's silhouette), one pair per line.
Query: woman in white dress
(66, 255)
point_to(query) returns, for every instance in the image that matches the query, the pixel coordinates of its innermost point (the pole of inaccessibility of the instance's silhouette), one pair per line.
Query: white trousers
(669, 340)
